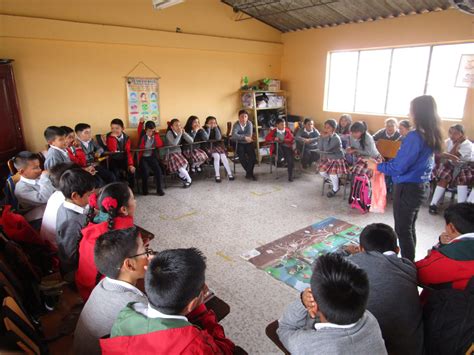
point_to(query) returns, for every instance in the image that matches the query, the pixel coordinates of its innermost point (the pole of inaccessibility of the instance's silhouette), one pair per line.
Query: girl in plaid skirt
(454, 169)
(332, 156)
(175, 160)
(362, 146)
(217, 150)
(194, 153)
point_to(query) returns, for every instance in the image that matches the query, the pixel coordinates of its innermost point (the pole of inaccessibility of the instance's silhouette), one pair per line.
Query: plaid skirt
(447, 171)
(175, 162)
(197, 155)
(216, 148)
(360, 167)
(333, 166)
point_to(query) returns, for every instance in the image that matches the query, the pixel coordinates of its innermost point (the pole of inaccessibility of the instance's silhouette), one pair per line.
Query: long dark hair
(170, 124)
(118, 191)
(344, 130)
(360, 126)
(210, 118)
(427, 121)
(189, 123)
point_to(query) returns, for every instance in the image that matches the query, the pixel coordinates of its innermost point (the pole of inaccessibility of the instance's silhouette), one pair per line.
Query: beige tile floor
(224, 220)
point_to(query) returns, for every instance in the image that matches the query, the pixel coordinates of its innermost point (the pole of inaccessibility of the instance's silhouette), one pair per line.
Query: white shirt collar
(29, 181)
(389, 252)
(319, 326)
(149, 312)
(61, 150)
(390, 135)
(126, 285)
(245, 125)
(308, 131)
(86, 143)
(71, 206)
(120, 137)
(281, 132)
(463, 236)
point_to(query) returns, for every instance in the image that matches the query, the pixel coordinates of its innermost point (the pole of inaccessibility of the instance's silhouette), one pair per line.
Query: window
(384, 81)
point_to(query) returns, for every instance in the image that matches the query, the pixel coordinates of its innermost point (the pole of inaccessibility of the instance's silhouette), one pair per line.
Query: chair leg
(324, 186)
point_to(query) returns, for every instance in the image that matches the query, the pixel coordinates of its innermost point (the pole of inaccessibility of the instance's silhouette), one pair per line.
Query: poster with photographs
(142, 96)
(465, 77)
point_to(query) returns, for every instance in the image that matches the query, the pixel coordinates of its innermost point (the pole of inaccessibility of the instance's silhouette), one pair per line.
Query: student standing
(411, 170)
(242, 132)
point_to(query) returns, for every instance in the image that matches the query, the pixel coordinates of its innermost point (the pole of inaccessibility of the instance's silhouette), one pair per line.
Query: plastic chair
(271, 332)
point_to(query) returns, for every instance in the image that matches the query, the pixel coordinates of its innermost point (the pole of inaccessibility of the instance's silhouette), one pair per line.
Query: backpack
(449, 320)
(361, 191)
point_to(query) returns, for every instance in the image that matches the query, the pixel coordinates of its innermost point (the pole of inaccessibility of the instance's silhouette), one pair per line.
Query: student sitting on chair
(343, 129)
(194, 153)
(332, 163)
(121, 257)
(390, 132)
(176, 162)
(57, 153)
(176, 320)
(149, 140)
(458, 150)
(121, 159)
(331, 316)
(404, 127)
(362, 147)
(76, 185)
(306, 142)
(242, 132)
(283, 136)
(34, 188)
(217, 150)
(393, 296)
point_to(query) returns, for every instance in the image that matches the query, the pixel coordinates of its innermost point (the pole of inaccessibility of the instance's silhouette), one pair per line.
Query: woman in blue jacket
(411, 170)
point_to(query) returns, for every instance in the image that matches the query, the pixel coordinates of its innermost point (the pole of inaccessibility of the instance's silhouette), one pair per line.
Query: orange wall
(69, 72)
(305, 55)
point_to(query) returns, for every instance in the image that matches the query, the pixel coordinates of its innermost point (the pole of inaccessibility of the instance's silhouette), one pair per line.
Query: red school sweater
(86, 274)
(142, 139)
(77, 156)
(114, 146)
(288, 140)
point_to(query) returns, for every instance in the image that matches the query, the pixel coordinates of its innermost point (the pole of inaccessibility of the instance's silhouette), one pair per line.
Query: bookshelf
(263, 106)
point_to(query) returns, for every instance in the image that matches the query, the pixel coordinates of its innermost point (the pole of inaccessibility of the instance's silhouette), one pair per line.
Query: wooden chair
(11, 167)
(271, 332)
(387, 148)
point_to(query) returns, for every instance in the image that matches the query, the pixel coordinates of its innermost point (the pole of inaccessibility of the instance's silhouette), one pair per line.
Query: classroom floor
(224, 220)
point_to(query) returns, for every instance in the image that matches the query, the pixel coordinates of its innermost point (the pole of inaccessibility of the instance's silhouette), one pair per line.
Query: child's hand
(142, 119)
(445, 238)
(308, 302)
(352, 248)
(248, 139)
(131, 169)
(371, 164)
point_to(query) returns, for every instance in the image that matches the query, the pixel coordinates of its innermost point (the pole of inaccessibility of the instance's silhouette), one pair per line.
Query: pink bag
(379, 193)
(360, 197)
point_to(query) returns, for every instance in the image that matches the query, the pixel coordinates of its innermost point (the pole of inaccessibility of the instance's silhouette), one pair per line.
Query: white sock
(438, 193)
(335, 182)
(471, 196)
(462, 193)
(217, 164)
(225, 162)
(324, 174)
(183, 173)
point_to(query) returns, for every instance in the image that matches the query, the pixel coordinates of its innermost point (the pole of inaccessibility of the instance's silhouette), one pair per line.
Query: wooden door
(11, 134)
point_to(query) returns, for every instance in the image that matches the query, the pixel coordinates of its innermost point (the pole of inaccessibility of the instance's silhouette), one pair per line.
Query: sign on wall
(465, 77)
(143, 100)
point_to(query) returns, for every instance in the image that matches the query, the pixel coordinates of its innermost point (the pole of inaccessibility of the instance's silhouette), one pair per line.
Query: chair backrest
(387, 148)
(11, 167)
(21, 328)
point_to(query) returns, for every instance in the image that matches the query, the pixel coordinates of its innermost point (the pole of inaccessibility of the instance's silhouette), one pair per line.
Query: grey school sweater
(54, 157)
(394, 300)
(331, 146)
(100, 312)
(298, 335)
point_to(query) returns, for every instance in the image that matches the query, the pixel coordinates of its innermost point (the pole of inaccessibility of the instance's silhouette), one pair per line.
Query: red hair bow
(93, 201)
(109, 202)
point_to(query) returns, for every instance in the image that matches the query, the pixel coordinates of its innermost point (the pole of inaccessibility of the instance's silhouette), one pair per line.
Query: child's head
(120, 254)
(150, 128)
(378, 237)
(404, 126)
(55, 136)
(308, 124)
(83, 132)
(456, 132)
(76, 186)
(191, 124)
(211, 121)
(28, 165)
(330, 126)
(280, 124)
(175, 280)
(391, 125)
(57, 171)
(358, 129)
(459, 219)
(345, 120)
(340, 289)
(69, 135)
(116, 199)
(116, 127)
(174, 125)
(243, 117)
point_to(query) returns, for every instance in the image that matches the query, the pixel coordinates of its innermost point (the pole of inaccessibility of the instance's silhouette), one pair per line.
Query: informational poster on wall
(143, 100)
(465, 77)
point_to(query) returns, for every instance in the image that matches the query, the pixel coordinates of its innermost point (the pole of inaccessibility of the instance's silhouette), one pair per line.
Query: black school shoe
(160, 192)
(186, 184)
(231, 178)
(332, 193)
(433, 210)
(218, 179)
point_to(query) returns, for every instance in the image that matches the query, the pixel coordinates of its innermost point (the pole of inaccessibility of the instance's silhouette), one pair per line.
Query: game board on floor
(289, 259)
